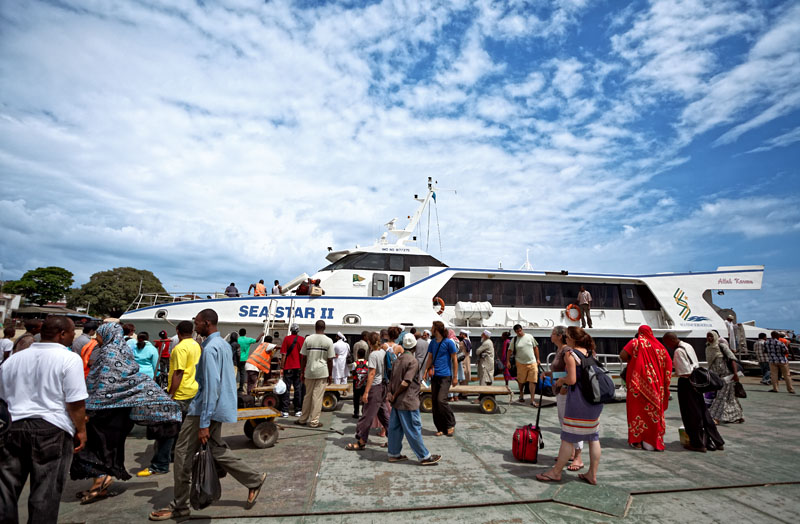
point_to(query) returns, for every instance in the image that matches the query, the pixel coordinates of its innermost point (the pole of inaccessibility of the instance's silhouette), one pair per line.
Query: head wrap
(114, 381)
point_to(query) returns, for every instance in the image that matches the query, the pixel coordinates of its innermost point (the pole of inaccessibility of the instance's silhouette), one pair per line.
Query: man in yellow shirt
(182, 386)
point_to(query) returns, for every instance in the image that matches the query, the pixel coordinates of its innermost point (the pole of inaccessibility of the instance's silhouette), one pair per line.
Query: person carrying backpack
(374, 395)
(360, 374)
(581, 420)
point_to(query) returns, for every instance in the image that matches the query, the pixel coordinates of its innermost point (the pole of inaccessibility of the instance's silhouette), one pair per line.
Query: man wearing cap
(341, 349)
(464, 353)
(290, 371)
(485, 356)
(404, 397)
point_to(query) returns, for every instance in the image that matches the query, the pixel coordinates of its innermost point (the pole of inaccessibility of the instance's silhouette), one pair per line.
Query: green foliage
(110, 292)
(41, 285)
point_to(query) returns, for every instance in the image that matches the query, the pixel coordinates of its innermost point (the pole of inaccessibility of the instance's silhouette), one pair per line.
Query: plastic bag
(205, 480)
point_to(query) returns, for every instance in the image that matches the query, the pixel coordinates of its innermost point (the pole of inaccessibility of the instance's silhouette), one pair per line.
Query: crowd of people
(81, 405)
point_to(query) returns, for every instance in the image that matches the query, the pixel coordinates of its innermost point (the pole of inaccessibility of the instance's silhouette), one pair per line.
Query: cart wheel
(426, 403)
(270, 400)
(248, 429)
(329, 401)
(488, 404)
(265, 435)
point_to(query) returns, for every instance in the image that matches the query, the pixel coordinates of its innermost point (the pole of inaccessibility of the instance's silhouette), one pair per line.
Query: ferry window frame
(536, 293)
(389, 262)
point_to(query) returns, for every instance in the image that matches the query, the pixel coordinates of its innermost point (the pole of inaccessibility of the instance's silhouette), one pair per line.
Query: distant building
(8, 303)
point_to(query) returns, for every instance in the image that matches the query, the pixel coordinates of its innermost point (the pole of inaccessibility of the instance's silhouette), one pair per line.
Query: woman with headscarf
(726, 407)
(119, 396)
(648, 376)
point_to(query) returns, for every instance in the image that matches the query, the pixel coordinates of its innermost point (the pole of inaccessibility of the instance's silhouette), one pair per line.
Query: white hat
(427, 332)
(464, 332)
(487, 333)
(409, 341)
(339, 334)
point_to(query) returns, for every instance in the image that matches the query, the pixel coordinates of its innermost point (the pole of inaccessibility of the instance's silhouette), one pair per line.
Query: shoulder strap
(291, 347)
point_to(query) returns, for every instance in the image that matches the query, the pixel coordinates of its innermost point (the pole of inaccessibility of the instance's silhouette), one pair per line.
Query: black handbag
(738, 390)
(705, 381)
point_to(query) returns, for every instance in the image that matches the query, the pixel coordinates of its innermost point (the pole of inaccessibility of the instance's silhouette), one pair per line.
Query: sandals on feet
(398, 459)
(252, 495)
(544, 477)
(575, 467)
(356, 446)
(168, 514)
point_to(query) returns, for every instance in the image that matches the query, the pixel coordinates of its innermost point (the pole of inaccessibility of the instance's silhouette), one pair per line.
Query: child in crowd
(360, 372)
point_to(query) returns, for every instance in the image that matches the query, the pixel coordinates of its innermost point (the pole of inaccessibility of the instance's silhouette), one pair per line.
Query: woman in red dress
(648, 375)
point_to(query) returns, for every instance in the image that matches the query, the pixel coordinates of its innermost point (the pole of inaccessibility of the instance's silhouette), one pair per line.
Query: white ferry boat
(395, 283)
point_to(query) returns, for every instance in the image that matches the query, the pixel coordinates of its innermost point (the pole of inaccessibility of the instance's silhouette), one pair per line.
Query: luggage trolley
(486, 396)
(259, 425)
(331, 398)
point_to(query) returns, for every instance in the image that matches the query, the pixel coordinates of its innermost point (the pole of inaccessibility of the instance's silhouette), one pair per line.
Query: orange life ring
(438, 301)
(572, 307)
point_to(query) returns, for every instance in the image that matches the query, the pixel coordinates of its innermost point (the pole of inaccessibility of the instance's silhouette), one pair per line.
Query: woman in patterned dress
(648, 376)
(119, 396)
(726, 407)
(581, 420)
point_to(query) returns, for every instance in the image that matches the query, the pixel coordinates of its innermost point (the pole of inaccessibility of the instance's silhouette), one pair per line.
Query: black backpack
(594, 381)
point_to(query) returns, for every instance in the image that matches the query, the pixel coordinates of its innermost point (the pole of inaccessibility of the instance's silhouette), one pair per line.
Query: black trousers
(443, 417)
(697, 421)
(37, 448)
(291, 377)
(357, 393)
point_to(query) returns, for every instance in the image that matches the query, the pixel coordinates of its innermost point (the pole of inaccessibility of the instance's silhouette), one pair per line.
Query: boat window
(396, 282)
(629, 293)
(371, 261)
(514, 293)
(396, 262)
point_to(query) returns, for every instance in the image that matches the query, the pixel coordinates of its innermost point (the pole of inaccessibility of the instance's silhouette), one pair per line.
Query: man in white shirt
(45, 391)
(730, 325)
(341, 349)
(585, 304)
(277, 289)
(7, 343)
(697, 421)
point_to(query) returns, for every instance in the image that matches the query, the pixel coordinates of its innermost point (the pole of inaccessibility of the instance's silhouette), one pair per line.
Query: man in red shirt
(290, 371)
(163, 345)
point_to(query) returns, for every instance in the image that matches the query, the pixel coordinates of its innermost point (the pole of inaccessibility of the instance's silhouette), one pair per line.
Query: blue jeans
(765, 372)
(404, 422)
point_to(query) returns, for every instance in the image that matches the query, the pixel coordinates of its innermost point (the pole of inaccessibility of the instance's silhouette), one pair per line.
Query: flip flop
(586, 479)
(439, 434)
(398, 459)
(252, 495)
(574, 467)
(355, 446)
(543, 477)
(169, 514)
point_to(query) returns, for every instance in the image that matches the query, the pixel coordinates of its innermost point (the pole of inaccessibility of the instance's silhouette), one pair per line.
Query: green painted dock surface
(312, 478)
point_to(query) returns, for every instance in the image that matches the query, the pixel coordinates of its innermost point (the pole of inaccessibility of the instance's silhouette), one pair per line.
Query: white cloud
(784, 140)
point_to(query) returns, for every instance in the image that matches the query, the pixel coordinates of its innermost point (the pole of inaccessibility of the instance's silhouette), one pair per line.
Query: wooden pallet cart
(486, 396)
(259, 425)
(333, 394)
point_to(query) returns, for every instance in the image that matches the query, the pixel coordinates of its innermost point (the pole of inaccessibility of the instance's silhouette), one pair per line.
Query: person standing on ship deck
(585, 305)
(697, 421)
(277, 289)
(259, 289)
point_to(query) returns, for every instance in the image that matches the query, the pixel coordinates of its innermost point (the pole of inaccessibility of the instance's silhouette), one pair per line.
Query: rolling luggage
(528, 440)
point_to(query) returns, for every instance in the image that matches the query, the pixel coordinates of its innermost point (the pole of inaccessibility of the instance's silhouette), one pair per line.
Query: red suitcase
(527, 440)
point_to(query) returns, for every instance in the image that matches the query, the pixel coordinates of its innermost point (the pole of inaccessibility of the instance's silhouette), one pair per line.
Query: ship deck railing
(157, 299)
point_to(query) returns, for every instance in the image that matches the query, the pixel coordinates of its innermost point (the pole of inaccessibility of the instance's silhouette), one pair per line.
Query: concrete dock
(312, 478)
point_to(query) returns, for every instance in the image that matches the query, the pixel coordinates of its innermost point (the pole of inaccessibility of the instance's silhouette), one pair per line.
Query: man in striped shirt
(776, 353)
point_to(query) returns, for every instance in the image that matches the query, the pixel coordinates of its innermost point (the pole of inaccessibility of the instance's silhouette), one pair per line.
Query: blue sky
(236, 140)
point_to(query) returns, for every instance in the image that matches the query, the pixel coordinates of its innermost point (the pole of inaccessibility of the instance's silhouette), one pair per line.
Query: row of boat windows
(383, 262)
(514, 293)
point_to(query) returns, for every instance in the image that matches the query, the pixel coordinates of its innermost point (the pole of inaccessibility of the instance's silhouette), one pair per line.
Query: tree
(41, 285)
(111, 292)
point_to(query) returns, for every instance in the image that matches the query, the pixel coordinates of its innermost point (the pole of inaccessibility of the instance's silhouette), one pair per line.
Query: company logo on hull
(682, 300)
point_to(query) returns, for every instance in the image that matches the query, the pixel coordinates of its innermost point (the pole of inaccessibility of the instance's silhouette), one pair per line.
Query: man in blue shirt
(214, 404)
(442, 358)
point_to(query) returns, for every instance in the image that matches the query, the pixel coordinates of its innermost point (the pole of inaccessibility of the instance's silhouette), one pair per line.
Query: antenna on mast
(527, 265)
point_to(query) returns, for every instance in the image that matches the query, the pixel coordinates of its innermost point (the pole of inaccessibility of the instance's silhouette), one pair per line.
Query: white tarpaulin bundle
(473, 310)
